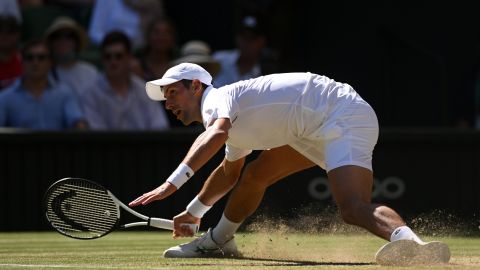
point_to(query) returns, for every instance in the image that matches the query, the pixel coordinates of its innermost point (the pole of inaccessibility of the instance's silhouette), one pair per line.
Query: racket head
(80, 208)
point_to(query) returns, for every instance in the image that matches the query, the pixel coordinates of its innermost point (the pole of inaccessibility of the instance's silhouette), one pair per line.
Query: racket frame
(148, 221)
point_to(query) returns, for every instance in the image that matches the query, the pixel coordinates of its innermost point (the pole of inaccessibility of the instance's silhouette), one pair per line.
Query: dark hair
(115, 37)
(188, 83)
(251, 24)
(33, 43)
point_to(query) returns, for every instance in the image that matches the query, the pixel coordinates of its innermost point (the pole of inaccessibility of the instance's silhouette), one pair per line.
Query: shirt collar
(205, 93)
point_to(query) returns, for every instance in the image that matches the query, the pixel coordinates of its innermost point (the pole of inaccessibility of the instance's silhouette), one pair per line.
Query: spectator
(35, 102)
(66, 40)
(198, 52)
(120, 15)
(10, 60)
(244, 62)
(10, 8)
(117, 98)
(160, 48)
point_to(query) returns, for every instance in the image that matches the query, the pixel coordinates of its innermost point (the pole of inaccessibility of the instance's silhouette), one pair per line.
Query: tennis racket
(83, 209)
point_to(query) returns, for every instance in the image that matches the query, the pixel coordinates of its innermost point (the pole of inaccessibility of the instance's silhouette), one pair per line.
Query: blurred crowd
(83, 64)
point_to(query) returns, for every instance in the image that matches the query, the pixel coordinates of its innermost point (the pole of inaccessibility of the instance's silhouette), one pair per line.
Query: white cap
(184, 71)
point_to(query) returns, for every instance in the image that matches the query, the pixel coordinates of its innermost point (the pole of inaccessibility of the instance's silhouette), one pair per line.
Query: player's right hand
(161, 192)
(179, 224)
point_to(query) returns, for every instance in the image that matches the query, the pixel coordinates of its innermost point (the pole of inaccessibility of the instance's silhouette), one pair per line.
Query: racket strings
(81, 209)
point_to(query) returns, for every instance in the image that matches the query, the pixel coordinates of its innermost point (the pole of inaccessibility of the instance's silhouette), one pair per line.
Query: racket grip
(168, 224)
(161, 223)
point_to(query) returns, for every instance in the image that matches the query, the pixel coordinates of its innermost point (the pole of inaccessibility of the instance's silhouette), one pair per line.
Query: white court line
(69, 266)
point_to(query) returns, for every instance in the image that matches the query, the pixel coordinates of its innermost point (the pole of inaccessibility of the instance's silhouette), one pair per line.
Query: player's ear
(196, 86)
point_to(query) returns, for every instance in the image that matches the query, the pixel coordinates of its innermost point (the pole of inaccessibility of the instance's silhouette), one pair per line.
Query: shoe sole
(408, 252)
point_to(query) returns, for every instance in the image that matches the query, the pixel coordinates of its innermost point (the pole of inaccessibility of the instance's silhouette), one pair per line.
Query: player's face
(183, 102)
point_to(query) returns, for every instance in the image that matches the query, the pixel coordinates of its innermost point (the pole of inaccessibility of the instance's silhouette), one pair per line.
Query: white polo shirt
(275, 110)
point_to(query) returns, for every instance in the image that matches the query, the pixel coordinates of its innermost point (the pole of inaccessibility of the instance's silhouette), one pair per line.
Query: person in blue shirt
(36, 103)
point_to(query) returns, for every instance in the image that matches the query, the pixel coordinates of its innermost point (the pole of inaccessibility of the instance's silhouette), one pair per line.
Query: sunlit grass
(143, 250)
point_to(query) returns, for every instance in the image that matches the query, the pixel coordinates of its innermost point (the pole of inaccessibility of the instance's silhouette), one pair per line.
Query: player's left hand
(179, 221)
(161, 192)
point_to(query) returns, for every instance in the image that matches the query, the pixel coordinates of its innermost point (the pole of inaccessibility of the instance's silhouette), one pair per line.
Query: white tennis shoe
(203, 247)
(409, 252)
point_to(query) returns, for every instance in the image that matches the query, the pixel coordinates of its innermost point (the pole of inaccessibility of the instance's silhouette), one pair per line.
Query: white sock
(404, 233)
(224, 230)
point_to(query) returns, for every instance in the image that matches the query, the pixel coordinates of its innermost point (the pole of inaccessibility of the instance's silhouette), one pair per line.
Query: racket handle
(161, 223)
(168, 224)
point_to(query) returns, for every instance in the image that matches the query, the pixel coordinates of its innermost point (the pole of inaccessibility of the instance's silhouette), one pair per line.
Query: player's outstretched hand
(180, 229)
(161, 192)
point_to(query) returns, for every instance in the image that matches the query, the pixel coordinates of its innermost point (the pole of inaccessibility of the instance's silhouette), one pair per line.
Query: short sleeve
(233, 153)
(219, 105)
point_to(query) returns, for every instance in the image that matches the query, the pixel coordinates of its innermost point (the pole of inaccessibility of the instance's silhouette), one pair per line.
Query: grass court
(261, 250)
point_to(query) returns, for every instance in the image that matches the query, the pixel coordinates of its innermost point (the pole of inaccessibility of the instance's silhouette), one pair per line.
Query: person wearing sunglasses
(36, 102)
(116, 99)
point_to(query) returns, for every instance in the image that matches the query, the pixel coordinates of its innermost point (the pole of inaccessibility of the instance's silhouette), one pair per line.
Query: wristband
(180, 175)
(197, 209)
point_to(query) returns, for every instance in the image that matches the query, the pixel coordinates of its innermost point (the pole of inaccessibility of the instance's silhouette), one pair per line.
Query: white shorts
(345, 138)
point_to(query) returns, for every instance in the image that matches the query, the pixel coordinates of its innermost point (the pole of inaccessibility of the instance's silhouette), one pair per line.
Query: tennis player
(300, 120)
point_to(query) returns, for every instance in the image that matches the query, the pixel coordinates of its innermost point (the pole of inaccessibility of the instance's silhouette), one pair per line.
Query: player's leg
(351, 187)
(349, 168)
(269, 167)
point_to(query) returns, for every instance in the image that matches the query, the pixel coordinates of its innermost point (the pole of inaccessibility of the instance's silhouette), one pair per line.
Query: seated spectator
(244, 62)
(66, 40)
(198, 52)
(160, 49)
(10, 60)
(35, 102)
(117, 99)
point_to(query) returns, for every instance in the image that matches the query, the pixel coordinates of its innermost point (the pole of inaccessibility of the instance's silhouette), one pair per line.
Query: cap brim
(154, 88)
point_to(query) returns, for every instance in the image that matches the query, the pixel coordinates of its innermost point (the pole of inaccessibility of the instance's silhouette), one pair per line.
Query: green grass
(143, 250)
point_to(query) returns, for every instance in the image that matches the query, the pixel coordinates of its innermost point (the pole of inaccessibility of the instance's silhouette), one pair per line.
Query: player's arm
(207, 144)
(203, 149)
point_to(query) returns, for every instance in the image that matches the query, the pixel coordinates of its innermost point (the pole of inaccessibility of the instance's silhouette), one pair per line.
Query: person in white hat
(198, 52)
(67, 39)
(300, 120)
